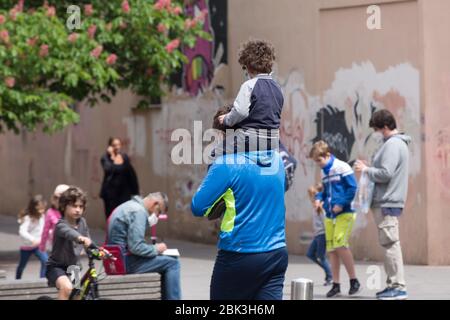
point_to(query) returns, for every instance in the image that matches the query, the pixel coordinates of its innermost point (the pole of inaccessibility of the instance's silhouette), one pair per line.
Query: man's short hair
(319, 149)
(160, 196)
(257, 56)
(221, 111)
(70, 197)
(382, 118)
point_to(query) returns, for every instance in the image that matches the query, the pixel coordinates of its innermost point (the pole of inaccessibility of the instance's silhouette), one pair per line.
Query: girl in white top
(31, 224)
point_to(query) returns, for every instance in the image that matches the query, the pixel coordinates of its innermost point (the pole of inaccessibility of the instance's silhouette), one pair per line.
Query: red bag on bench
(115, 266)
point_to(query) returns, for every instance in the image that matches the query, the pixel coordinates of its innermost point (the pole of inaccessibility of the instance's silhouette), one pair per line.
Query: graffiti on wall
(206, 56)
(443, 158)
(341, 117)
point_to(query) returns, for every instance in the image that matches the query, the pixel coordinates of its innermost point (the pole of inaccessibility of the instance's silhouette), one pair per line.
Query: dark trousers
(249, 276)
(25, 256)
(112, 203)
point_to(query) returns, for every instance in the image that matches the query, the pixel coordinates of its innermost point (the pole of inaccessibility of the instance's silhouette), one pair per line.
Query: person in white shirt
(31, 224)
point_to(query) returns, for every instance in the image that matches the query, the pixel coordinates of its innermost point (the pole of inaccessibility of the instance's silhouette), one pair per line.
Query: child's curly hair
(70, 197)
(257, 56)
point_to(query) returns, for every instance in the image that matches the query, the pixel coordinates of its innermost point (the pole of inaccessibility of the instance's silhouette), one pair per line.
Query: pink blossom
(91, 31)
(51, 11)
(32, 41)
(10, 82)
(19, 6)
(44, 51)
(4, 35)
(172, 45)
(72, 37)
(125, 6)
(88, 9)
(13, 14)
(112, 58)
(2, 19)
(189, 24)
(158, 6)
(177, 10)
(162, 28)
(204, 13)
(202, 16)
(97, 52)
(161, 4)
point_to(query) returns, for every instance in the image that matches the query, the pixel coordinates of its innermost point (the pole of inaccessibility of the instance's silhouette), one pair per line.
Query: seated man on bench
(126, 228)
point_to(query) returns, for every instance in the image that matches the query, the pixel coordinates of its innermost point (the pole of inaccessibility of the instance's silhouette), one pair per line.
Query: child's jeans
(25, 255)
(317, 253)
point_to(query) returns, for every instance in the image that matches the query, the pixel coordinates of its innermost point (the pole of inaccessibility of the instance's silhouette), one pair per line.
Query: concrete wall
(334, 73)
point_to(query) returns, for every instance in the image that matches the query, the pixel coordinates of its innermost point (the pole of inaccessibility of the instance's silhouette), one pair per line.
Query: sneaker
(393, 294)
(355, 287)
(383, 291)
(335, 291)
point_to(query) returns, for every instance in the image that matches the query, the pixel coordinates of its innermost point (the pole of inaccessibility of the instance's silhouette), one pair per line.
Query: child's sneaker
(393, 294)
(328, 282)
(355, 287)
(335, 291)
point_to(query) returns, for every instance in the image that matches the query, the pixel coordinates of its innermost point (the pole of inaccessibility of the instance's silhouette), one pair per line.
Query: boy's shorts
(338, 231)
(53, 273)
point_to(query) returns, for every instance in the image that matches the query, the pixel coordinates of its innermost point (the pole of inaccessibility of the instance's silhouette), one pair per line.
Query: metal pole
(302, 289)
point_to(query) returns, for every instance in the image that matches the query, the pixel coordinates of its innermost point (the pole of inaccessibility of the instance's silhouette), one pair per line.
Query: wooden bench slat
(154, 296)
(132, 278)
(28, 297)
(114, 286)
(12, 292)
(145, 286)
(18, 284)
(128, 291)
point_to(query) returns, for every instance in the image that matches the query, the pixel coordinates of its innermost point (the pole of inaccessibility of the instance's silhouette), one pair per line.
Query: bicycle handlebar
(99, 253)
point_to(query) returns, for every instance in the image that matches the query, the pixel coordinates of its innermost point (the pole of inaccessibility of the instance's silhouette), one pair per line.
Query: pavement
(197, 262)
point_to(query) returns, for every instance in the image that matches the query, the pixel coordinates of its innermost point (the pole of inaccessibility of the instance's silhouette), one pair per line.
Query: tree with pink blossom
(123, 44)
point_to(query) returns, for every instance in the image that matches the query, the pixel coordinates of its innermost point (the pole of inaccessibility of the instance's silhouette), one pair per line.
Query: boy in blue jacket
(339, 188)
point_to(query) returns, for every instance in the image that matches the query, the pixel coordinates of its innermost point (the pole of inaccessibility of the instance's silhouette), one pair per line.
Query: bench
(146, 286)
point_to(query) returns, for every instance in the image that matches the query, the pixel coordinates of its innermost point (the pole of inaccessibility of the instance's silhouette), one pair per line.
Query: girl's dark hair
(382, 118)
(111, 140)
(70, 197)
(30, 210)
(257, 56)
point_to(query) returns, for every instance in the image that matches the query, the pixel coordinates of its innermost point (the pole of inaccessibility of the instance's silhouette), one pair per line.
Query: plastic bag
(363, 197)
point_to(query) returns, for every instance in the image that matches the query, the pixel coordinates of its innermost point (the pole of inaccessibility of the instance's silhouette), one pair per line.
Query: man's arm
(389, 161)
(214, 185)
(136, 236)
